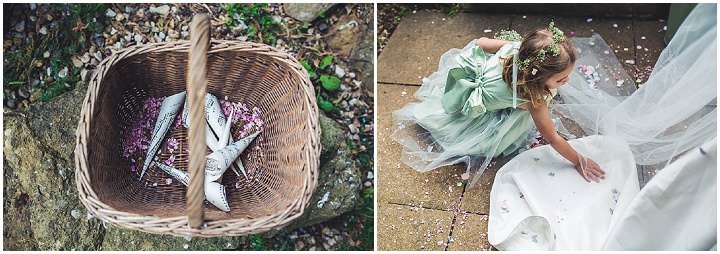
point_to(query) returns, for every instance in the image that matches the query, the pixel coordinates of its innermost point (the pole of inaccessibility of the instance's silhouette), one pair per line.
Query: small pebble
(63, 73)
(110, 13)
(23, 93)
(339, 71)
(20, 26)
(75, 214)
(98, 56)
(162, 10)
(83, 74)
(11, 104)
(85, 58)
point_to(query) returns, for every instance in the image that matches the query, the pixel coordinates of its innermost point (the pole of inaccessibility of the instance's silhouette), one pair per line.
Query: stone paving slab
(398, 183)
(617, 33)
(406, 228)
(419, 40)
(476, 199)
(470, 233)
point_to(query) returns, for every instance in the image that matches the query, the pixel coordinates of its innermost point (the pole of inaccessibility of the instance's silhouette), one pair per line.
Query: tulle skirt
(432, 138)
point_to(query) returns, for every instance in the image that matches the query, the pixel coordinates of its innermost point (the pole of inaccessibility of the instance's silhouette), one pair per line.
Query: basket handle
(196, 89)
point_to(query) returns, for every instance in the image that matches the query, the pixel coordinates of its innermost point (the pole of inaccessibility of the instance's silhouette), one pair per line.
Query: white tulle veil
(672, 112)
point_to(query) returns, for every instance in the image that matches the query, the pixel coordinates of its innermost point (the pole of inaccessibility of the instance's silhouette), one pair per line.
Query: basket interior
(255, 79)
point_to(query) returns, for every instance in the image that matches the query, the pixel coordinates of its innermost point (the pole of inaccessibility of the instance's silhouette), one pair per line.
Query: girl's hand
(589, 170)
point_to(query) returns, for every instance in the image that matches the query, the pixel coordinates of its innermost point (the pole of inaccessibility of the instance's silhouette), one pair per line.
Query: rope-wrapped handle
(196, 89)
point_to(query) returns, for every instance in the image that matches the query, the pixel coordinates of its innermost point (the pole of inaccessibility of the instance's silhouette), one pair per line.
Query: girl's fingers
(591, 174)
(599, 173)
(584, 175)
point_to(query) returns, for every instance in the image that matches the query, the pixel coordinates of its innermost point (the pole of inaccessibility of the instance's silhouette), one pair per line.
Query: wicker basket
(255, 74)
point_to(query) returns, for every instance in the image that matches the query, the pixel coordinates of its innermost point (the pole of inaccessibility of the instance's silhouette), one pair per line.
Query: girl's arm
(490, 45)
(586, 166)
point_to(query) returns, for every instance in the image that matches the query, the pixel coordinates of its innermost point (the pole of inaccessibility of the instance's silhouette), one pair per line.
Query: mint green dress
(465, 113)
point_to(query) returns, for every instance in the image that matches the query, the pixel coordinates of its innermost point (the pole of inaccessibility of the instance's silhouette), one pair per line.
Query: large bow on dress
(465, 89)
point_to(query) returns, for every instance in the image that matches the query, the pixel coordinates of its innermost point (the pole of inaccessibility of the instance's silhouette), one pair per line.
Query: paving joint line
(455, 215)
(476, 213)
(429, 208)
(635, 53)
(393, 83)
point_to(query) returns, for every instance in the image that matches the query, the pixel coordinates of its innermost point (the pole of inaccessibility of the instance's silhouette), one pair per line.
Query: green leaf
(369, 193)
(324, 105)
(325, 62)
(309, 69)
(330, 83)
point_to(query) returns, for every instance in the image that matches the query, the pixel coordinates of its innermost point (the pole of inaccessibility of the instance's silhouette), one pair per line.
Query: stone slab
(421, 38)
(470, 233)
(476, 199)
(575, 9)
(398, 183)
(406, 228)
(618, 38)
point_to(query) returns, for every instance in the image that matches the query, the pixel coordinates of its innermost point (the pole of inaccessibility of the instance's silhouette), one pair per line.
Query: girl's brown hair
(529, 86)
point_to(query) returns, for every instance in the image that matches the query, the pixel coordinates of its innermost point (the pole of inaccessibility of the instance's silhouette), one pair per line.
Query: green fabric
(477, 86)
(476, 115)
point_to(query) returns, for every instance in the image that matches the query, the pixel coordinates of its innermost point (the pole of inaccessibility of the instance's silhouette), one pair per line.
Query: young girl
(482, 103)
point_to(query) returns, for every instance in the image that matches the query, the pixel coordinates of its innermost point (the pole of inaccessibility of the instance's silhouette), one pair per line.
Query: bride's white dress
(539, 201)
(550, 204)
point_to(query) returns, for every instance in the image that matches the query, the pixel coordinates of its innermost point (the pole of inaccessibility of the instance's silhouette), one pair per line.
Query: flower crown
(551, 49)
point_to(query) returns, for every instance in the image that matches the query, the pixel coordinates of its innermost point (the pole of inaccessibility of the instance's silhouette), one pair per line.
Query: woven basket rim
(178, 225)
